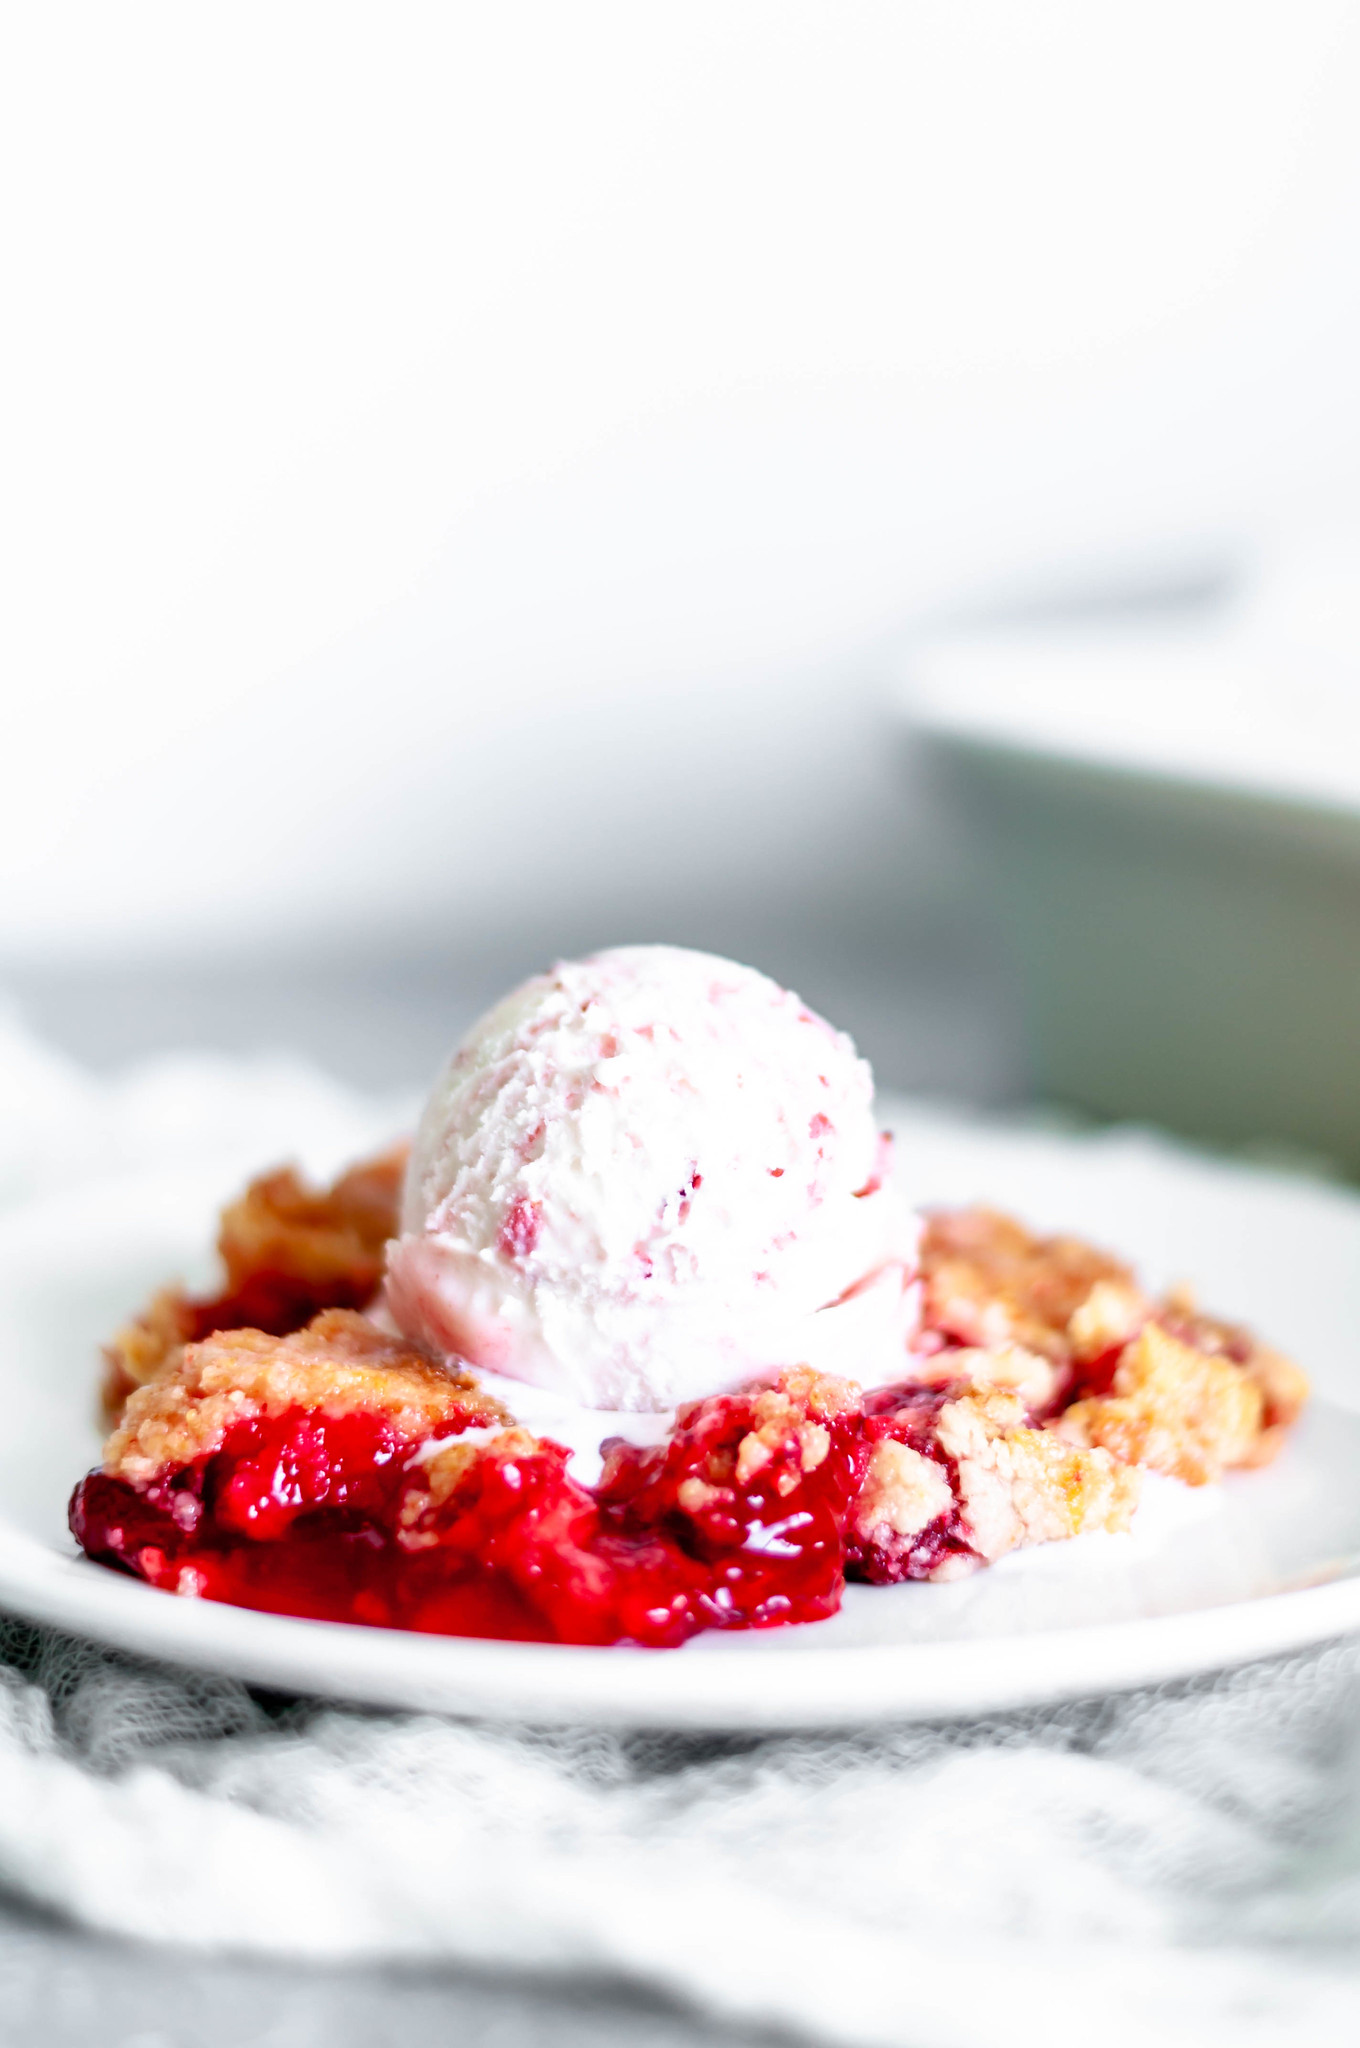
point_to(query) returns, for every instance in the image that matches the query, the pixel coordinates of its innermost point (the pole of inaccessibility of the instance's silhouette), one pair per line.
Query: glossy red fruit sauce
(335, 1518)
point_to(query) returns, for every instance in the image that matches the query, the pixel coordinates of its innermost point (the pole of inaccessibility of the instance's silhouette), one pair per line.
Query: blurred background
(870, 490)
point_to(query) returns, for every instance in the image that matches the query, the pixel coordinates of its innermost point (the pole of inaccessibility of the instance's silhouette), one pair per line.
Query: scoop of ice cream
(648, 1176)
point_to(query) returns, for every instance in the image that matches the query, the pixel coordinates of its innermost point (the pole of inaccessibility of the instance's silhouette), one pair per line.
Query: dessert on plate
(640, 1339)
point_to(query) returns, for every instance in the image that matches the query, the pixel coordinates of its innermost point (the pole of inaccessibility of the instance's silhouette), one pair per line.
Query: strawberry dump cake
(639, 1340)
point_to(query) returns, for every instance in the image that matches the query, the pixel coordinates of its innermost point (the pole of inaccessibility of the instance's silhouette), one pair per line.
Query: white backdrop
(463, 462)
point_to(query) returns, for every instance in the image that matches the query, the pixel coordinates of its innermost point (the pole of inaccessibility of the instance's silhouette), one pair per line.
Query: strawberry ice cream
(649, 1176)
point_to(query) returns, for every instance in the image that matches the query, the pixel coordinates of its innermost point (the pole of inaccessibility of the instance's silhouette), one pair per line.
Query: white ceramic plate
(1269, 1561)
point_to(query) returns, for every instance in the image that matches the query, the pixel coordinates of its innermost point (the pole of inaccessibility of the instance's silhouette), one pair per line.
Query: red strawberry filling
(333, 1517)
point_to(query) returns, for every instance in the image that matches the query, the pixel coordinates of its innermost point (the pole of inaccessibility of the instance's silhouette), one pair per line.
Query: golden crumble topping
(1168, 1386)
(1284, 1389)
(287, 1250)
(1175, 1408)
(145, 1347)
(903, 1493)
(340, 1364)
(437, 1478)
(989, 1282)
(790, 1421)
(1011, 1367)
(1112, 1313)
(1019, 1485)
(319, 1236)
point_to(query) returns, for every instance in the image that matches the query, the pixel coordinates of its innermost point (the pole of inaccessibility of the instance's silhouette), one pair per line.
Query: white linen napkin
(1183, 1861)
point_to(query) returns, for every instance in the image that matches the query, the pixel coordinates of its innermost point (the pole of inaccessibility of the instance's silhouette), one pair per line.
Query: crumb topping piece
(319, 1236)
(1175, 1408)
(1011, 1367)
(960, 1477)
(339, 1365)
(1112, 1313)
(1158, 1384)
(436, 1479)
(1284, 1389)
(790, 1421)
(1019, 1485)
(903, 1493)
(287, 1251)
(990, 1282)
(145, 1347)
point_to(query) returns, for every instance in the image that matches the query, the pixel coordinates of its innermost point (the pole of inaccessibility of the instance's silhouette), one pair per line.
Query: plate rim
(558, 1685)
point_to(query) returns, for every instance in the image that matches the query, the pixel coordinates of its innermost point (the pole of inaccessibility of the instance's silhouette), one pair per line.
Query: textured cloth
(1181, 1865)
(1185, 1863)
